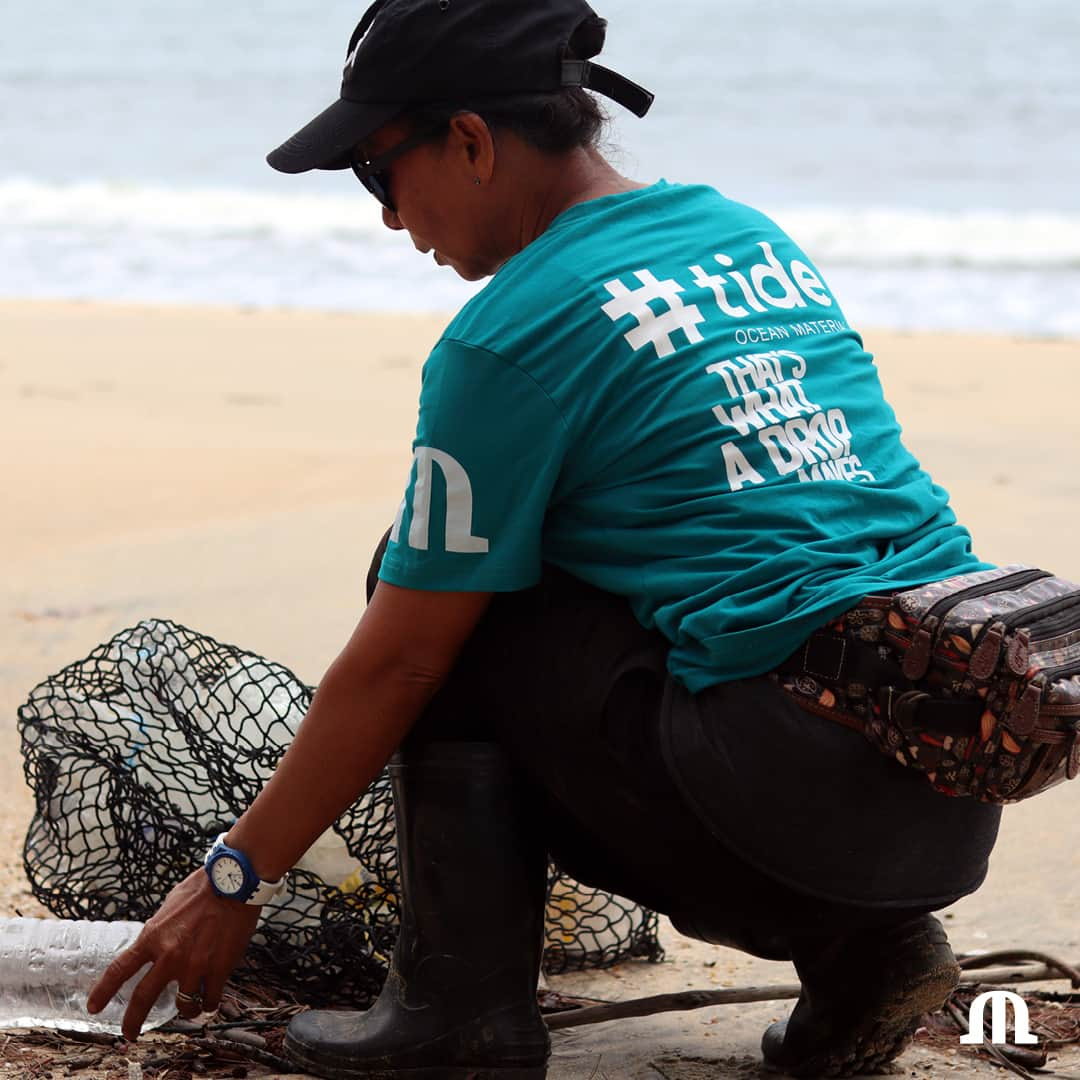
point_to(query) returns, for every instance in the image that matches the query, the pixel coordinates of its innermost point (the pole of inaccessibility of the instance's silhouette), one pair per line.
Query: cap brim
(328, 141)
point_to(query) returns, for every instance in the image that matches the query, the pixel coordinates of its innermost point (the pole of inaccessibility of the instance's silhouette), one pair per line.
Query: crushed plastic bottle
(48, 966)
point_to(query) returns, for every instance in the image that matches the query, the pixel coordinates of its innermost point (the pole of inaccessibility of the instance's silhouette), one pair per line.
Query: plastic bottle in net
(47, 967)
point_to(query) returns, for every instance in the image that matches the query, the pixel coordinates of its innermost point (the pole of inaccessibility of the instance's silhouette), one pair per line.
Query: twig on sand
(89, 1061)
(1046, 970)
(223, 1048)
(661, 1003)
(1011, 956)
(243, 1037)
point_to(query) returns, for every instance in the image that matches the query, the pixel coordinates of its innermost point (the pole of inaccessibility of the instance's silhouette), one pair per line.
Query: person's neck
(563, 182)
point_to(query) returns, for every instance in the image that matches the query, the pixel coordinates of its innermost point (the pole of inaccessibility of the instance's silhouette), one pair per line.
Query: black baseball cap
(407, 52)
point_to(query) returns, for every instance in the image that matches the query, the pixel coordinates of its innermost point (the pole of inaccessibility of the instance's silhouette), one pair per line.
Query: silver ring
(189, 999)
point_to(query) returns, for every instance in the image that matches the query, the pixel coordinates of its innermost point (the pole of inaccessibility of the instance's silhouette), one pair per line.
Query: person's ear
(474, 147)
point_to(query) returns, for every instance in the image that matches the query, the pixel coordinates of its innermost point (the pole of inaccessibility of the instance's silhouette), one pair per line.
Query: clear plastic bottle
(47, 967)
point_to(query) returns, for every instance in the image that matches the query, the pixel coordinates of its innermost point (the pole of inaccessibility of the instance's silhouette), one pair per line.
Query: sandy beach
(232, 470)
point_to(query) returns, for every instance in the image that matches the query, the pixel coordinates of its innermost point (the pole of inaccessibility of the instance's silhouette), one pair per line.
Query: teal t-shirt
(661, 396)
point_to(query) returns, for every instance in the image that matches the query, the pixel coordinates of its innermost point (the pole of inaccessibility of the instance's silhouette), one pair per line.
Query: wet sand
(232, 470)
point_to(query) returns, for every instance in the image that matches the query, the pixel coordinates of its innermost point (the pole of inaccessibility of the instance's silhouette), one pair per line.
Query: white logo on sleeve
(459, 505)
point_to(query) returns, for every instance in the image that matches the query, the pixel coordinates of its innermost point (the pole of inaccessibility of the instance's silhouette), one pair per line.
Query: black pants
(571, 685)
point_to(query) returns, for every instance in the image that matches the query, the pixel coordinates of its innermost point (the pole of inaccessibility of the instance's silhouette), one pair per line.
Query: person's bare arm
(398, 656)
(396, 659)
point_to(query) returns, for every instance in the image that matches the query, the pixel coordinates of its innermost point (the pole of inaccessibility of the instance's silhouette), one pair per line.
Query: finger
(146, 993)
(189, 998)
(114, 976)
(213, 988)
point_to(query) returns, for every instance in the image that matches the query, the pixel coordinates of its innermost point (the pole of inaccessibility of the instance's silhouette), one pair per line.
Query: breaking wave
(890, 266)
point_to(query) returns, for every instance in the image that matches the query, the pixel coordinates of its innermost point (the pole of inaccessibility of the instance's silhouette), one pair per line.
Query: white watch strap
(267, 890)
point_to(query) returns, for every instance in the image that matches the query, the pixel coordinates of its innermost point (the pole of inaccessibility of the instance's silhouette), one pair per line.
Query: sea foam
(978, 269)
(872, 236)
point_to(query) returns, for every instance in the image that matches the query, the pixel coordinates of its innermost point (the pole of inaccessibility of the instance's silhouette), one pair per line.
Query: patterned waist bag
(974, 681)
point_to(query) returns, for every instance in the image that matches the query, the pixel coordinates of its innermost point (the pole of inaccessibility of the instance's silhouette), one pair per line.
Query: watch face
(227, 875)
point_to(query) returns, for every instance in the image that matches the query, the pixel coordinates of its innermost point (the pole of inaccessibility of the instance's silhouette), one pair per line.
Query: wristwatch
(233, 877)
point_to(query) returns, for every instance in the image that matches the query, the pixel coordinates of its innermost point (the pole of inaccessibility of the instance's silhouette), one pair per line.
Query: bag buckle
(901, 708)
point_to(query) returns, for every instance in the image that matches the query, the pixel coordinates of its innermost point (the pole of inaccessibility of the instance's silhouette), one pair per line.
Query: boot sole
(313, 1064)
(888, 1034)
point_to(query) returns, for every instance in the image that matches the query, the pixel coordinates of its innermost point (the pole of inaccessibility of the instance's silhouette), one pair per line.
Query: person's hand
(196, 938)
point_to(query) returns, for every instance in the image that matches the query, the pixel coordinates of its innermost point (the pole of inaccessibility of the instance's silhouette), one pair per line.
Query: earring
(476, 180)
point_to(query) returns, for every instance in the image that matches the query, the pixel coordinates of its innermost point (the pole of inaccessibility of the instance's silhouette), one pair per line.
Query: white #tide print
(765, 399)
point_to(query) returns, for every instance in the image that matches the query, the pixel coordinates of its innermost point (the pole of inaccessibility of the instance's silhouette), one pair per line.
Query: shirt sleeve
(489, 447)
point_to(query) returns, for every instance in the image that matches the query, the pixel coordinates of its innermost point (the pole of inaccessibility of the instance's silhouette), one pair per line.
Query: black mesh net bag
(141, 754)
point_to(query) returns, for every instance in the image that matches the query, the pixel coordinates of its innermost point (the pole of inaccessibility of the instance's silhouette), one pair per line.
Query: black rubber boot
(863, 995)
(459, 1002)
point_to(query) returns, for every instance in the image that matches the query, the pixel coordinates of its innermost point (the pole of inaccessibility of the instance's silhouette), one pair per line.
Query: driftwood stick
(661, 1003)
(1022, 973)
(242, 1037)
(261, 1057)
(76, 1063)
(705, 999)
(1012, 956)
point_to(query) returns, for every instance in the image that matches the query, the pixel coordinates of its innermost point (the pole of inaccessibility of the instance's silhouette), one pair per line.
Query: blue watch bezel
(251, 879)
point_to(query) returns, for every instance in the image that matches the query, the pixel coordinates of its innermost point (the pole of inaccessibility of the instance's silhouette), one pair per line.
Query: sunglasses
(373, 173)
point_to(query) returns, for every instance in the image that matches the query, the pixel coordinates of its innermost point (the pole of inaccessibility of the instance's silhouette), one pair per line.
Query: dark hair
(553, 123)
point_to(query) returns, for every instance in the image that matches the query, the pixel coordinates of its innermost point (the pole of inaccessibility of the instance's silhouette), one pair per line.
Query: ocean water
(925, 155)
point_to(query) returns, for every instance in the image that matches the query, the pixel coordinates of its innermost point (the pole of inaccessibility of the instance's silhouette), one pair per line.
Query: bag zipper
(1062, 671)
(1003, 584)
(1057, 615)
(1043, 622)
(919, 653)
(1029, 619)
